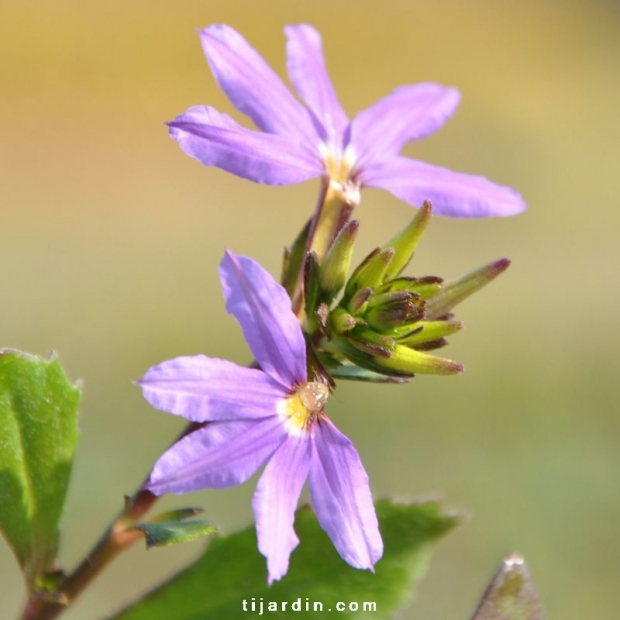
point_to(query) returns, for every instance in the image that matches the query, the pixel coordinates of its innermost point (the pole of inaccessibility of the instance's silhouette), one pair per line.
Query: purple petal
(306, 69)
(252, 86)
(215, 139)
(202, 389)
(263, 309)
(341, 498)
(408, 113)
(220, 455)
(452, 193)
(275, 501)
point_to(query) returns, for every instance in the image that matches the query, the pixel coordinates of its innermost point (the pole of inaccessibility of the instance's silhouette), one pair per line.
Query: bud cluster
(377, 324)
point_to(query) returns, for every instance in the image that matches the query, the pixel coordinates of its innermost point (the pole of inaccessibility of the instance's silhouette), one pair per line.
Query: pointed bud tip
(499, 266)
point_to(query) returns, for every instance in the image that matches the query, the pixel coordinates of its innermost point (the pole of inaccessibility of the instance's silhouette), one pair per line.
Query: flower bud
(371, 272)
(405, 243)
(335, 266)
(453, 293)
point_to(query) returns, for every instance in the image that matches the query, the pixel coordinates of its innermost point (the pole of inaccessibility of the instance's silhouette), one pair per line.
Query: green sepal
(511, 595)
(173, 532)
(293, 260)
(38, 426)
(357, 303)
(335, 266)
(405, 242)
(232, 571)
(370, 272)
(454, 292)
(349, 372)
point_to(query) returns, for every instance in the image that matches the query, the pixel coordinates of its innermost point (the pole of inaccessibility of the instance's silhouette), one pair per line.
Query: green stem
(119, 536)
(330, 215)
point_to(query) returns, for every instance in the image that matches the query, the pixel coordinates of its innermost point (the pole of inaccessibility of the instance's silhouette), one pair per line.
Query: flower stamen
(305, 406)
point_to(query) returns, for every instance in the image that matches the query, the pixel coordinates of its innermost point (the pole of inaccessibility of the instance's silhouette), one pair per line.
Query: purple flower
(298, 142)
(273, 416)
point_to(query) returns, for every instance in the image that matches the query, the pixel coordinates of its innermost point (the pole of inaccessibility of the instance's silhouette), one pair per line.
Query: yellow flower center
(305, 406)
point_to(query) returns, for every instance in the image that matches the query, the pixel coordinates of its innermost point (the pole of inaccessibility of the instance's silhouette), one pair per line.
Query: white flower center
(339, 167)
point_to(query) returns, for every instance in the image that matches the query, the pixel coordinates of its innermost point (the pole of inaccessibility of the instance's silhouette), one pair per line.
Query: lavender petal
(342, 500)
(215, 139)
(202, 389)
(252, 86)
(408, 113)
(452, 193)
(275, 501)
(263, 309)
(306, 68)
(220, 455)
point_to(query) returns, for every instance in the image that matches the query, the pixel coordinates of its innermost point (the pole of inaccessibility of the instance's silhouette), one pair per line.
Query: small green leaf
(232, 571)
(38, 436)
(164, 533)
(511, 594)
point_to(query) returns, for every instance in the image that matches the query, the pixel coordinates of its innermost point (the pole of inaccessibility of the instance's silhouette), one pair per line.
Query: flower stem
(119, 536)
(330, 215)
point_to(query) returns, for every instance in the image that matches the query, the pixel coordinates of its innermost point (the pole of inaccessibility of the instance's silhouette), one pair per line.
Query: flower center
(339, 166)
(303, 408)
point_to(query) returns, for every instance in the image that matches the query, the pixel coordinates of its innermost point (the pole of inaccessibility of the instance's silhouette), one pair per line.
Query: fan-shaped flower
(273, 415)
(298, 142)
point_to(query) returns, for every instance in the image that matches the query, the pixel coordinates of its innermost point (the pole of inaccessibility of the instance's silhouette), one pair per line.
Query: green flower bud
(406, 360)
(453, 293)
(335, 266)
(371, 272)
(405, 243)
(384, 324)
(341, 321)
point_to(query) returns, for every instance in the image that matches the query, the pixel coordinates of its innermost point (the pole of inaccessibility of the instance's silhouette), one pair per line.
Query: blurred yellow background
(110, 239)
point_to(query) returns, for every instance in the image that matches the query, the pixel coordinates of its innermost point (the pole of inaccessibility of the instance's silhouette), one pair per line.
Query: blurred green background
(110, 239)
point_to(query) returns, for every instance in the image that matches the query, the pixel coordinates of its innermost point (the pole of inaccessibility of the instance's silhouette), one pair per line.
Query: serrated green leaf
(232, 571)
(38, 436)
(164, 533)
(511, 595)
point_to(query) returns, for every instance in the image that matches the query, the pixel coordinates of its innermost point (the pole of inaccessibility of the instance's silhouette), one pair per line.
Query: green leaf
(164, 533)
(232, 571)
(511, 594)
(38, 436)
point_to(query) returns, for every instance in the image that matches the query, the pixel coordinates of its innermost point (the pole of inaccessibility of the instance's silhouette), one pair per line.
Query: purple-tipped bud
(453, 293)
